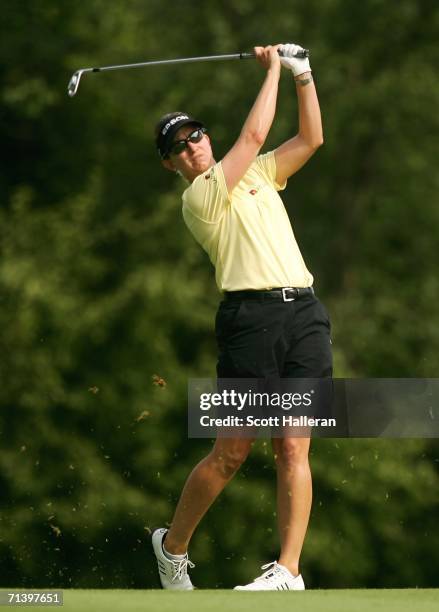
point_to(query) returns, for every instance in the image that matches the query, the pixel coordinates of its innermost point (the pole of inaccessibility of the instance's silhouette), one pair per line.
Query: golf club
(76, 77)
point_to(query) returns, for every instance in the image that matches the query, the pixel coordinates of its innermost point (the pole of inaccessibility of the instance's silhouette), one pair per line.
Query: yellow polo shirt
(247, 233)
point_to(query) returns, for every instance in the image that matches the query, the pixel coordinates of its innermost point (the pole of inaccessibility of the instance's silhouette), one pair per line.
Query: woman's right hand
(268, 56)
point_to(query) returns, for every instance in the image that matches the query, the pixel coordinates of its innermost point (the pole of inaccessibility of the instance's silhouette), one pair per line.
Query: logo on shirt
(210, 175)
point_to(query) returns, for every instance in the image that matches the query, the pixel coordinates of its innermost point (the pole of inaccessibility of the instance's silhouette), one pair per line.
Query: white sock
(171, 556)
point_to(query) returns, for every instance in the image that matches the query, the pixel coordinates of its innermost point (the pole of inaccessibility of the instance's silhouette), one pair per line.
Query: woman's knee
(229, 457)
(291, 452)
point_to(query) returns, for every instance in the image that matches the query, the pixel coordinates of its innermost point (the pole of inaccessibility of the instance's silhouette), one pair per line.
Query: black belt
(286, 294)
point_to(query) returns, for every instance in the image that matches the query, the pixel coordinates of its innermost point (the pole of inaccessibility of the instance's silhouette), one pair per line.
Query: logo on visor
(173, 121)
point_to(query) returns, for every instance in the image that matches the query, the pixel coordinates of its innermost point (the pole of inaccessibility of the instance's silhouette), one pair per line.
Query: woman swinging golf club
(270, 323)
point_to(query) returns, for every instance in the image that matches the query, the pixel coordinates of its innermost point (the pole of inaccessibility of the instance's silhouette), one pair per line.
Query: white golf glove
(298, 65)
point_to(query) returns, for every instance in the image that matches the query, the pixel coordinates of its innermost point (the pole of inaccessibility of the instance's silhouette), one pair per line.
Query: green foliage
(102, 287)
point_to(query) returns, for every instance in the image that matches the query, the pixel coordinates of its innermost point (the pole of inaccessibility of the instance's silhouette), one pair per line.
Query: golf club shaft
(74, 81)
(183, 60)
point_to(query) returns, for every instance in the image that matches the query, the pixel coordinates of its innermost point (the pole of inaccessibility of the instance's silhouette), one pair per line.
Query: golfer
(269, 323)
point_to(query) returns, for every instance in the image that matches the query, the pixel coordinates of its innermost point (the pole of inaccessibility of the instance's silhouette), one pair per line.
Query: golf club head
(74, 83)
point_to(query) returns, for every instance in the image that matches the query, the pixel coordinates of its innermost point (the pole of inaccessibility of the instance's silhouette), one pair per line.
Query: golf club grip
(300, 54)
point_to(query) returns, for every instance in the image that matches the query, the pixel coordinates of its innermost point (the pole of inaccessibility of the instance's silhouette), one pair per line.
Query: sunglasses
(180, 145)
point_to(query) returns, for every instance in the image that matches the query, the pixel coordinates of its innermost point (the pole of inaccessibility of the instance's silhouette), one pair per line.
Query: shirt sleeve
(207, 197)
(266, 167)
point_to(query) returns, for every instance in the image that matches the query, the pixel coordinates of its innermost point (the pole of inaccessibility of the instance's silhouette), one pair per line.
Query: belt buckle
(284, 295)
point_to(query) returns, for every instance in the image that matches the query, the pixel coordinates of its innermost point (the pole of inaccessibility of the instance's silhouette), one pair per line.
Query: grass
(360, 600)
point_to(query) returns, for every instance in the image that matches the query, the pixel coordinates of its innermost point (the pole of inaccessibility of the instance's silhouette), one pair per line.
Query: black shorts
(270, 338)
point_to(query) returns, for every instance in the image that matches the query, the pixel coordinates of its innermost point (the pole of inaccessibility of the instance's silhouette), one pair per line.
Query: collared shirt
(247, 233)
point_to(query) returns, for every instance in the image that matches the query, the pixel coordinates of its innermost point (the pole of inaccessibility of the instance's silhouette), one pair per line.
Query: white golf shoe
(173, 573)
(276, 578)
